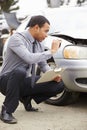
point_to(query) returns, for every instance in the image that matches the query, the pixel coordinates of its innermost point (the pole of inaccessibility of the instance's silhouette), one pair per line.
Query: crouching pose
(24, 50)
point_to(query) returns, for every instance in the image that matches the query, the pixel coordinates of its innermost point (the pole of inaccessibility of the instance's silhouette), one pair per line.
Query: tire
(63, 98)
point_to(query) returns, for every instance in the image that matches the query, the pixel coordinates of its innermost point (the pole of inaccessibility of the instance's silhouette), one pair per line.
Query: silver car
(69, 25)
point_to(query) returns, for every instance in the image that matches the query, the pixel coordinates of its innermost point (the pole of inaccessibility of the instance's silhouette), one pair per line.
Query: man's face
(42, 32)
(4, 40)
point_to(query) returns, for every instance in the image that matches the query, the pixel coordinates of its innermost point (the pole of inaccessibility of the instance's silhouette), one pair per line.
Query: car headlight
(75, 52)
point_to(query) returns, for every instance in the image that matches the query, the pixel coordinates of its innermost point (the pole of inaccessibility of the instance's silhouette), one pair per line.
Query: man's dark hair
(4, 31)
(38, 20)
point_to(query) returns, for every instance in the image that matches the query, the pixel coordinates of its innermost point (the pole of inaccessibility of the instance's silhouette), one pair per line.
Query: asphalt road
(72, 117)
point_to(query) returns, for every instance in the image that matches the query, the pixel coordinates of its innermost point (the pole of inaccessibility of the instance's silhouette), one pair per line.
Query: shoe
(27, 104)
(29, 107)
(6, 117)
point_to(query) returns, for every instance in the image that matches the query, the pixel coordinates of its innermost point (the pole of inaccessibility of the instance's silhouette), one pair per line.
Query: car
(70, 26)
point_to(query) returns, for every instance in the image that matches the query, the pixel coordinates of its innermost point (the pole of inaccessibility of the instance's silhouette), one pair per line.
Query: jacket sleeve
(18, 47)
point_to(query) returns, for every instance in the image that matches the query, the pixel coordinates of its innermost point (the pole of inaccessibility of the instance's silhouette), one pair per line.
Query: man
(4, 35)
(15, 81)
(3, 38)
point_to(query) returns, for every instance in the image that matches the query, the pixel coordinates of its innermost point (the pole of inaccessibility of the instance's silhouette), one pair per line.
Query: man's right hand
(55, 46)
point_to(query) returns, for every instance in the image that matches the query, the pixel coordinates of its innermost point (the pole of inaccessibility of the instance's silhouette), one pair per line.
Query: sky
(29, 6)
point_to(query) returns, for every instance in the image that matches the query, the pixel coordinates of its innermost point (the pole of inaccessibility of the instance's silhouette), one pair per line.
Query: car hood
(69, 21)
(74, 33)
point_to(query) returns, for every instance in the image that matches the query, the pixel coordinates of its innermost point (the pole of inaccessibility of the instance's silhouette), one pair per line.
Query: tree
(8, 5)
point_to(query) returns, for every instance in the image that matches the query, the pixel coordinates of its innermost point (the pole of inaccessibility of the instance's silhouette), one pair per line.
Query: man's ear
(36, 27)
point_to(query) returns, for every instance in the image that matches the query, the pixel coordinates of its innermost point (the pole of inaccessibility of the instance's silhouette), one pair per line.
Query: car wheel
(63, 98)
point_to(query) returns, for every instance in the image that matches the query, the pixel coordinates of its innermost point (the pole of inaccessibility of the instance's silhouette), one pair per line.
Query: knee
(58, 87)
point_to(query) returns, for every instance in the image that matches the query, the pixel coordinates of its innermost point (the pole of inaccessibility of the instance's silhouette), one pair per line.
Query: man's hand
(55, 45)
(57, 79)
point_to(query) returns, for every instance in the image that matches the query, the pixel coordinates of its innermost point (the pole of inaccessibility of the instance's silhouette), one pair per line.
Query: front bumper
(74, 75)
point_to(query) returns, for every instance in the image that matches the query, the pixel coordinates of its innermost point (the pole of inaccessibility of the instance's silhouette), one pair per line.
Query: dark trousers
(15, 85)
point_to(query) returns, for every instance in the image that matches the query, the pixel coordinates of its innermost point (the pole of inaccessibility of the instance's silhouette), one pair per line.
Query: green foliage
(8, 5)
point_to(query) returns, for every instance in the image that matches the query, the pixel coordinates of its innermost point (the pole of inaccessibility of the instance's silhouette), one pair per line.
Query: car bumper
(74, 75)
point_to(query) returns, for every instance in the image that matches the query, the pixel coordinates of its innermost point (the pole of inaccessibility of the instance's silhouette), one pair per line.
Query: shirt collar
(29, 36)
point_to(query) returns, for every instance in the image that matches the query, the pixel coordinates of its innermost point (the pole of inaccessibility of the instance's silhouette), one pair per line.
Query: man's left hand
(58, 78)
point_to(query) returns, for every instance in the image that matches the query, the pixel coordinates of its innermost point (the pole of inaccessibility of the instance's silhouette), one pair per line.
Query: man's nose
(46, 35)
